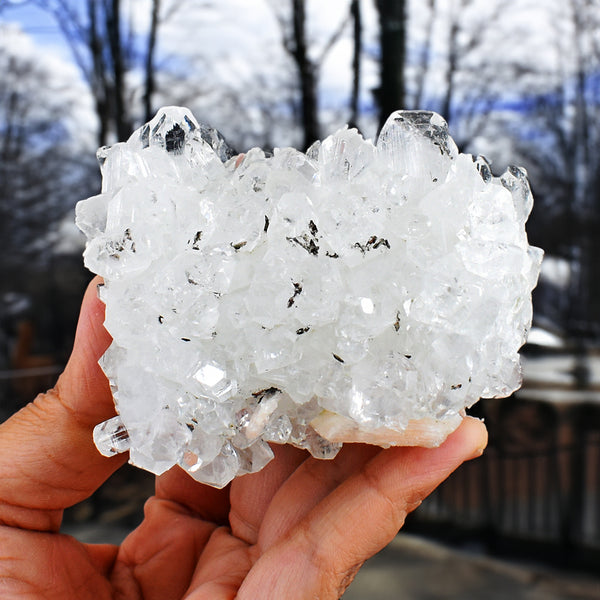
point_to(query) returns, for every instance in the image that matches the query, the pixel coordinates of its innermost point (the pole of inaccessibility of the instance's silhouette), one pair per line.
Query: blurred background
(517, 80)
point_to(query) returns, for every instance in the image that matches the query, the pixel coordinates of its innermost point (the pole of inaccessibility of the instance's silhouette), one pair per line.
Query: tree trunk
(307, 75)
(584, 275)
(98, 82)
(392, 36)
(357, 37)
(113, 27)
(452, 65)
(150, 84)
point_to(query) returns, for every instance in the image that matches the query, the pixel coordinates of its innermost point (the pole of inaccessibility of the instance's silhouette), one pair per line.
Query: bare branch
(333, 39)
(149, 65)
(425, 56)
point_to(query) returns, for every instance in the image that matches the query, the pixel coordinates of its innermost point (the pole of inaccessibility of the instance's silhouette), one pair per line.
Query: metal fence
(543, 503)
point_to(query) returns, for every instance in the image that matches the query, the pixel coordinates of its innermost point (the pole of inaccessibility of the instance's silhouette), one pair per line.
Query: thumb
(48, 460)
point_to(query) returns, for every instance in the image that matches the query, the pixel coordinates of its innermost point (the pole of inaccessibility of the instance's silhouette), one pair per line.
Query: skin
(300, 528)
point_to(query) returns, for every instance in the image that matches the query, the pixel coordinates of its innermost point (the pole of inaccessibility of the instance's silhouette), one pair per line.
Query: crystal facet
(111, 437)
(359, 292)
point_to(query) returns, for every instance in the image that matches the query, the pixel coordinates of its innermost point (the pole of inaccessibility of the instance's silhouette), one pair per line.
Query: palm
(299, 520)
(300, 528)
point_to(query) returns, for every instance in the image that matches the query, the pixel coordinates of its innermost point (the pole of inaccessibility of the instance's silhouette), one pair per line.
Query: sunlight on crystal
(367, 305)
(358, 292)
(209, 375)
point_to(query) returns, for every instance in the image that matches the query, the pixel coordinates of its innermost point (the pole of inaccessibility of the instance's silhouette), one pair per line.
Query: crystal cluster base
(357, 292)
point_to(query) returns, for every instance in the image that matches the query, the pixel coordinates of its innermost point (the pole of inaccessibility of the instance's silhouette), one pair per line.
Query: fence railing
(547, 501)
(33, 372)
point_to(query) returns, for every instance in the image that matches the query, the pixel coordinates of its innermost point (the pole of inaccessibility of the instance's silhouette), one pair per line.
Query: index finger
(323, 552)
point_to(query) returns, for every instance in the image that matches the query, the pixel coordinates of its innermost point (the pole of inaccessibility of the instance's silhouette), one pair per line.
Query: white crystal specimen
(357, 292)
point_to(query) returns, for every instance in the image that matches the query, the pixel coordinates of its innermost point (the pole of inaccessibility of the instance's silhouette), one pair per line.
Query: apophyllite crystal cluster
(357, 292)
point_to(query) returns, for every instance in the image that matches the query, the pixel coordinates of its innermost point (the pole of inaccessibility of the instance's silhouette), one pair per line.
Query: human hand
(300, 528)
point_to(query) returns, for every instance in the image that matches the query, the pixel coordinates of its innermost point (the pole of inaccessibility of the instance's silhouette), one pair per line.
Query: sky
(234, 47)
(239, 39)
(40, 26)
(232, 36)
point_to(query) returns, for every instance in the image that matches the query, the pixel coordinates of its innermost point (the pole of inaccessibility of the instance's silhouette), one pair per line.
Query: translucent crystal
(359, 292)
(111, 437)
(222, 469)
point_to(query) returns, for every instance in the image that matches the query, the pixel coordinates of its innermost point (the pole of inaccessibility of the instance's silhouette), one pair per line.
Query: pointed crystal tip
(173, 126)
(111, 437)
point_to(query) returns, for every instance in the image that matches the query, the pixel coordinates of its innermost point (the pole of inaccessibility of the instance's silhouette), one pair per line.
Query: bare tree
(103, 52)
(149, 65)
(297, 48)
(119, 55)
(425, 53)
(355, 11)
(559, 143)
(392, 36)
(584, 143)
(292, 20)
(40, 179)
(452, 66)
(105, 48)
(452, 59)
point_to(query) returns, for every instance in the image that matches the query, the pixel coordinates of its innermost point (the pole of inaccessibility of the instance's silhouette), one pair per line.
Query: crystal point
(111, 437)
